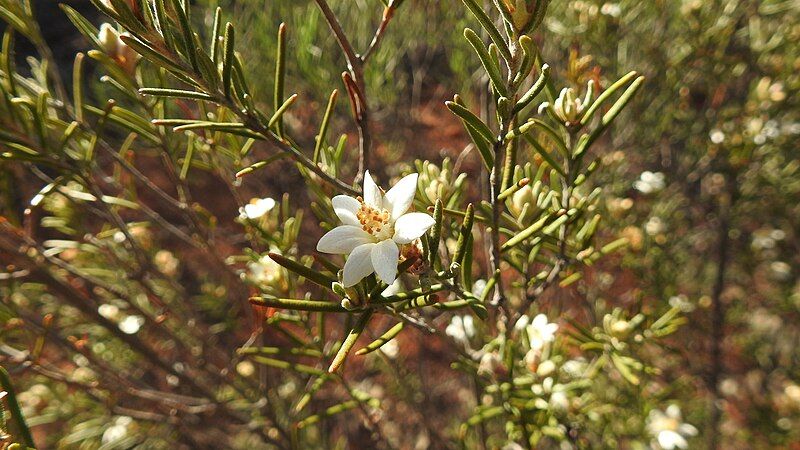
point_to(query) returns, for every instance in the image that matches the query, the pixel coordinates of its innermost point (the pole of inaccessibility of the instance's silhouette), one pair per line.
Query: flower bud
(347, 304)
(526, 15)
(115, 48)
(338, 288)
(567, 106)
(491, 364)
(108, 38)
(546, 368)
(559, 401)
(521, 198)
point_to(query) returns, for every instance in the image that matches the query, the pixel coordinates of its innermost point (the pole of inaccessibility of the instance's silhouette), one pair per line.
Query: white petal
(687, 429)
(346, 208)
(384, 260)
(411, 226)
(522, 322)
(393, 288)
(343, 239)
(674, 411)
(670, 440)
(372, 193)
(358, 265)
(258, 207)
(540, 321)
(401, 195)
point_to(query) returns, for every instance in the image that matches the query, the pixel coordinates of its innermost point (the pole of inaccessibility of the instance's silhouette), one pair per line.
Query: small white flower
(131, 324)
(650, 182)
(655, 226)
(166, 262)
(668, 429)
(265, 271)
(575, 367)
(117, 431)
(461, 328)
(108, 311)
(611, 9)
(540, 332)
(256, 208)
(245, 368)
(559, 401)
(373, 228)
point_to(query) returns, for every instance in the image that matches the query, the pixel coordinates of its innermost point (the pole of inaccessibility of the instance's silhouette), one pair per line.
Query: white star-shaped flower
(540, 332)
(373, 229)
(461, 328)
(668, 428)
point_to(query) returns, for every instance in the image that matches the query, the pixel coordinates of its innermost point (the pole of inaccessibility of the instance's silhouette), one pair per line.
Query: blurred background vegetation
(702, 175)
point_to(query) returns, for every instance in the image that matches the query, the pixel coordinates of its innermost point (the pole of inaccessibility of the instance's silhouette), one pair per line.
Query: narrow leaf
(350, 341)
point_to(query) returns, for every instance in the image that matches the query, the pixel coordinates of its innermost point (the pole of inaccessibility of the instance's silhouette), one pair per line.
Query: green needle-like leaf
(382, 340)
(350, 341)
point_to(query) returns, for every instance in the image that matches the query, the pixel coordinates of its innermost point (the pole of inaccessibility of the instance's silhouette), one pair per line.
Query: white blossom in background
(681, 302)
(257, 208)
(780, 270)
(611, 9)
(117, 431)
(245, 368)
(650, 182)
(655, 226)
(373, 229)
(522, 322)
(108, 311)
(131, 324)
(477, 287)
(461, 328)
(166, 262)
(265, 271)
(575, 368)
(490, 363)
(559, 401)
(716, 136)
(540, 332)
(766, 239)
(668, 429)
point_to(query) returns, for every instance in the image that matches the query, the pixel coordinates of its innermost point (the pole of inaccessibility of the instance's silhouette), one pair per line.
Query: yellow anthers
(376, 222)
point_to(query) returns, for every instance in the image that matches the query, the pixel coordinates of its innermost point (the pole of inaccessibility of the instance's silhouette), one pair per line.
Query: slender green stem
(16, 411)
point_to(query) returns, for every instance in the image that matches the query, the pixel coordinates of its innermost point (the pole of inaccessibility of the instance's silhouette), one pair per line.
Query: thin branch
(355, 66)
(353, 61)
(718, 313)
(388, 13)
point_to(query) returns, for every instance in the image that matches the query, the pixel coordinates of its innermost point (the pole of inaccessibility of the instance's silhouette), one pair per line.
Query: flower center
(376, 222)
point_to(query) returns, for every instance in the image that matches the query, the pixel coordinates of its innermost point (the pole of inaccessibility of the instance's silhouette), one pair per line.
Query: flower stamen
(376, 222)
